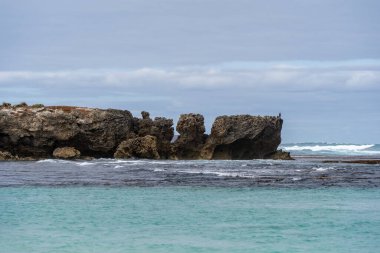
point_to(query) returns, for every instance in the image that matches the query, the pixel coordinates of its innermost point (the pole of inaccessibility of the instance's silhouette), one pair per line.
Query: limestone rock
(66, 153)
(139, 147)
(160, 127)
(192, 136)
(243, 137)
(279, 155)
(4, 156)
(145, 115)
(37, 131)
(34, 132)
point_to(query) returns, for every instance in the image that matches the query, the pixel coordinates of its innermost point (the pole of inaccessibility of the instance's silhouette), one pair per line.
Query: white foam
(118, 166)
(330, 147)
(232, 174)
(339, 148)
(117, 161)
(322, 168)
(226, 174)
(217, 173)
(53, 161)
(84, 163)
(47, 161)
(193, 171)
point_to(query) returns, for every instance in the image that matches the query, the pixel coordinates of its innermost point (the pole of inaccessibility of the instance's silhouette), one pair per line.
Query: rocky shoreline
(69, 132)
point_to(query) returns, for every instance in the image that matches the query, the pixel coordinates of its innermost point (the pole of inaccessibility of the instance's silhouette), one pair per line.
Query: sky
(316, 61)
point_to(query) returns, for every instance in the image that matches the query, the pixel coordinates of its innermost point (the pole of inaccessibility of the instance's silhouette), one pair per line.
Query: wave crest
(341, 149)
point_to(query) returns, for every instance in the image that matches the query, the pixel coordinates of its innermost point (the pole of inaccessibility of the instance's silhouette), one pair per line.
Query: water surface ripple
(309, 173)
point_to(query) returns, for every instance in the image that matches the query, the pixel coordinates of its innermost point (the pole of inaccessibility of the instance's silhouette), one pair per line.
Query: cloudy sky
(317, 61)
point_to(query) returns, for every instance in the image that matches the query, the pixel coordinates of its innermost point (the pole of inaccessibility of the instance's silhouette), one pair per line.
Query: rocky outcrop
(279, 155)
(192, 136)
(76, 132)
(5, 156)
(37, 131)
(139, 147)
(243, 137)
(160, 127)
(66, 153)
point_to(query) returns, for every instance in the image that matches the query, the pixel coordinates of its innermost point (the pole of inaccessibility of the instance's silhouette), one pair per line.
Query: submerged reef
(68, 132)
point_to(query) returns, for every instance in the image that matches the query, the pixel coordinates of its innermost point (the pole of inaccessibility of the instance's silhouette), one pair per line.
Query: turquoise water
(189, 219)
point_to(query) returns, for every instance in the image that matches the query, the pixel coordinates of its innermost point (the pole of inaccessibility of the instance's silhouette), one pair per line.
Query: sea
(108, 205)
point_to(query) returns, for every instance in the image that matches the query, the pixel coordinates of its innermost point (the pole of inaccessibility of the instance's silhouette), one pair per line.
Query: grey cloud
(316, 101)
(275, 77)
(242, 56)
(55, 35)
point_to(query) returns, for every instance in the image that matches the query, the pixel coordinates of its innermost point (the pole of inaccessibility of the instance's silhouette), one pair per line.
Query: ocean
(109, 205)
(332, 149)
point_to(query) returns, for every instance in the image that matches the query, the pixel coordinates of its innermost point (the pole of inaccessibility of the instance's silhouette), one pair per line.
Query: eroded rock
(279, 155)
(37, 131)
(139, 147)
(5, 156)
(160, 127)
(243, 137)
(66, 153)
(192, 136)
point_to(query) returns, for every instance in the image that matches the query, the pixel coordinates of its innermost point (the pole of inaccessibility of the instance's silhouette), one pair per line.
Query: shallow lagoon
(189, 206)
(189, 219)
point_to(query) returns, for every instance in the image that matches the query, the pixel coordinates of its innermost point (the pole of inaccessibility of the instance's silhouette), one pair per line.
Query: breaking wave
(334, 149)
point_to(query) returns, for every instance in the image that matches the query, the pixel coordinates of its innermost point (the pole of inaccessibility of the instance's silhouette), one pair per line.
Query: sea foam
(342, 149)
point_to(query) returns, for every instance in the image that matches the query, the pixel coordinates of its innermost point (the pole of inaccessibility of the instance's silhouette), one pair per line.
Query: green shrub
(38, 105)
(22, 104)
(5, 104)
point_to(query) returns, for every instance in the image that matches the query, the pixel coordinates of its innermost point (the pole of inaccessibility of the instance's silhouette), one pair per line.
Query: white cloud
(364, 78)
(276, 76)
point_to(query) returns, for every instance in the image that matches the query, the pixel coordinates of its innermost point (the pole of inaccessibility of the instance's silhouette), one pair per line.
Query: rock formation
(66, 153)
(192, 136)
(139, 147)
(69, 132)
(243, 137)
(160, 127)
(36, 132)
(5, 156)
(279, 155)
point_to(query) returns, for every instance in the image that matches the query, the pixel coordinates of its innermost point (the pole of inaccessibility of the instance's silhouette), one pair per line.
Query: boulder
(243, 137)
(139, 147)
(192, 136)
(66, 153)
